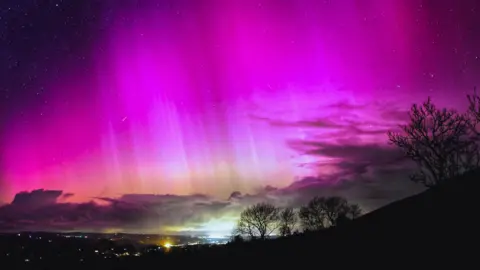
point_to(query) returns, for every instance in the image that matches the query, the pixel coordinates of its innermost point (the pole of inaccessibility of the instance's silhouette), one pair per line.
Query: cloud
(356, 160)
(67, 195)
(235, 195)
(357, 163)
(130, 212)
(347, 105)
(350, 158)
(351, 140)
(346, 120)
(325, 123)
(370, 174)
(198, 213)
(37, 198)
(396, 115)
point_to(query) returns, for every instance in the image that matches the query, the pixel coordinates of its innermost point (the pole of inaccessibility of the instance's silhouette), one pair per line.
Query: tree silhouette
(312, 215)
(474, 112)
(439, 141)
(288, 220)
(236, 239)
(333, 208)
(323, 212)
(353, 211)
(258, 221)
(474, 105)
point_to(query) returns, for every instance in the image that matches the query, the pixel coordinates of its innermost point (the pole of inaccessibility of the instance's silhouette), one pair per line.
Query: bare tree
(353, 211)
(472, 152)
(258, 221)
(474, 112)
(312, 215)
(323, 212)
(439, 141)
(333, 208)
(474, 105)
(288, 220)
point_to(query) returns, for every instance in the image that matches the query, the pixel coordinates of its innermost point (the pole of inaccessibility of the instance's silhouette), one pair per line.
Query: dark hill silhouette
(435, 226)
(452, 205)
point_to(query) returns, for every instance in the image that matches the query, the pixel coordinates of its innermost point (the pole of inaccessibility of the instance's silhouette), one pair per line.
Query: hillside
(434, 226)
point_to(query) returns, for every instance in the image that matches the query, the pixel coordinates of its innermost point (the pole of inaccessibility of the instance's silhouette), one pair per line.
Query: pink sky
(203, 99)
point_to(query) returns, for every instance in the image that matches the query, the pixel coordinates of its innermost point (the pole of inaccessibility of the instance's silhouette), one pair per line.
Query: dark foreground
(436, 228)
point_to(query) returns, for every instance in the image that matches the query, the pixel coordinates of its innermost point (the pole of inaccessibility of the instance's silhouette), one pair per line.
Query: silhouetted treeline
(263, 219)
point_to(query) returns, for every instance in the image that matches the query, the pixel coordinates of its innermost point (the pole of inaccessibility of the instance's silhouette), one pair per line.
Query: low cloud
(36, 198)
(175, 214)
(44, 210)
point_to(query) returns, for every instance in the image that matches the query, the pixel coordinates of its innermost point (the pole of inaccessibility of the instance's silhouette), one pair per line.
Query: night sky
(170, 116)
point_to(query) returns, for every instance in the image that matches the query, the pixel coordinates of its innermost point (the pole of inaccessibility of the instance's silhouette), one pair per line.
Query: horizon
(19, 233)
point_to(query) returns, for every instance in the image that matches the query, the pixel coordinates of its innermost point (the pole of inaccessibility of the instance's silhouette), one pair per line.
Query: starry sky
(170, 116)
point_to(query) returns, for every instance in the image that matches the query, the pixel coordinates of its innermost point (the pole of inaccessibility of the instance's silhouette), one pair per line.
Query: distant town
(33, 247)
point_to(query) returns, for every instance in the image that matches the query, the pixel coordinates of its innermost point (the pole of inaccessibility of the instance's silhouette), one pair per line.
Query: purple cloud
(37, 198)
(40, 210)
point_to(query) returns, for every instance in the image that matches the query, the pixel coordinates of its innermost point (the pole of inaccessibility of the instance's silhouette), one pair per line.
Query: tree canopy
(323, 212)
(258, 221)
(442, 142)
